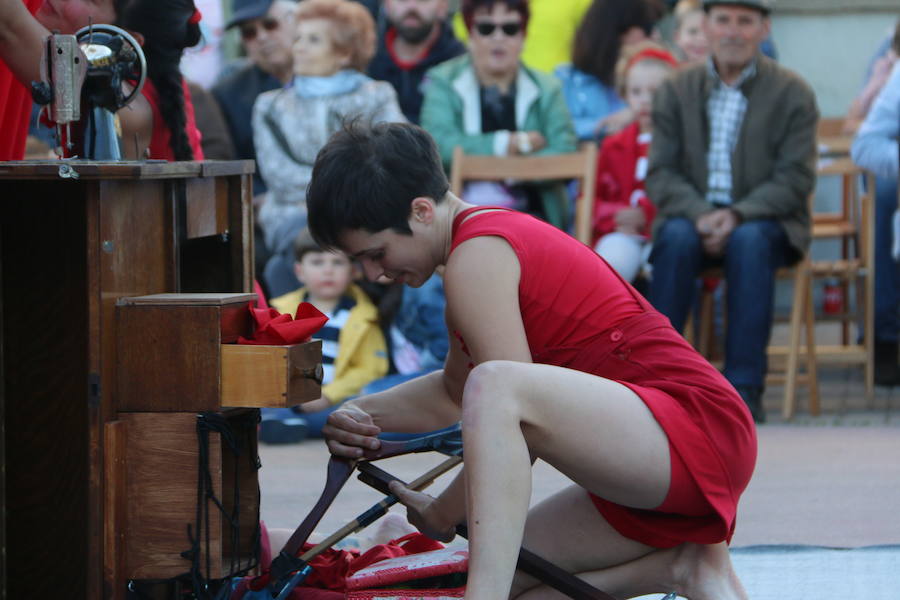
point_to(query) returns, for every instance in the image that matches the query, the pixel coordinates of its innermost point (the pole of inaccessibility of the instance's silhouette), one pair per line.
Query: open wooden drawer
(177, 353)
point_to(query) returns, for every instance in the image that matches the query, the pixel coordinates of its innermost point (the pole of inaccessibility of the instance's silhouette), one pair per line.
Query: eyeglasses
(249, 30)
(486, 28)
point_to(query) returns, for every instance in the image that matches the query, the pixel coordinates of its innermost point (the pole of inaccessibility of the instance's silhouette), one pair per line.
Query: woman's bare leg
(597, 432)
(567, 529)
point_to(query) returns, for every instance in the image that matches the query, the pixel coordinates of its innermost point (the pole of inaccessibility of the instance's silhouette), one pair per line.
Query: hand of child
(630, 220)
(614, 122)
(423, 512)
(348, 430)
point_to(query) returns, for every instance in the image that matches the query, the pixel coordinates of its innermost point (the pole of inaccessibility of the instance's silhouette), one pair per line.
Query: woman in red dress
(553, 356)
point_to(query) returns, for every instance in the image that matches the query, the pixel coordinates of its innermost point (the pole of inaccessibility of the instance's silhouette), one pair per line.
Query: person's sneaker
(887, 372)
(282, 426)
(752, 397)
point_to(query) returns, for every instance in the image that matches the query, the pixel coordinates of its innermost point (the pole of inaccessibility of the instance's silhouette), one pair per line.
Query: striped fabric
(725, 109)
(329, 335)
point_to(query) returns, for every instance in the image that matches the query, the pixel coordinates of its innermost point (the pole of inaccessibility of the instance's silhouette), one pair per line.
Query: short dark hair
(367, 175)
(595, 49)
(305, 244)
(470, 7)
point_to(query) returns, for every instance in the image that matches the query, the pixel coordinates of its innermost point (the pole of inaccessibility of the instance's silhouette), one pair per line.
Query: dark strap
(339, 470)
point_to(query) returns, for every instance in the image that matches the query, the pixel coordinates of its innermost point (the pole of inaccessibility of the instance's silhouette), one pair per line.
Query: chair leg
(790, 384)
(811, 368)
(707, 324)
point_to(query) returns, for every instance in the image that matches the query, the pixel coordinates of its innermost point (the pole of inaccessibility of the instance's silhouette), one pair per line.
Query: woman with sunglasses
(489, 103)
(334, 40)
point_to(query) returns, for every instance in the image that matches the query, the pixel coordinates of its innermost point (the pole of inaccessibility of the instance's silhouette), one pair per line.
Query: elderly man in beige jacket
(732, 163)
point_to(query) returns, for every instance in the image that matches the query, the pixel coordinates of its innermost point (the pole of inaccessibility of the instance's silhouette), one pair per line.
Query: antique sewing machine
(85, 79)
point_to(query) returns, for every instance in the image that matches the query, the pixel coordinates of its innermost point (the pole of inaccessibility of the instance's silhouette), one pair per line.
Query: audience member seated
(589, 82)
(489, 103)
(876, 149)
(553, 26)
(418, 335)
(215, 140)
(353, 348)
(689, 37)
(622, 212)
(267, 33)
(876, 76)
(732, 164)
(334, 42)
(416, 38)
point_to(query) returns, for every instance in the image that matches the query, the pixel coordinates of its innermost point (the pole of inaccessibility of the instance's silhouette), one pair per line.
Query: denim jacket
(588, 99)
(421, 321)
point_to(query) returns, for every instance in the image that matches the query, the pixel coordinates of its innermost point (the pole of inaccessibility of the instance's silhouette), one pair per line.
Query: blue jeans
(753, 253)
(887, 272)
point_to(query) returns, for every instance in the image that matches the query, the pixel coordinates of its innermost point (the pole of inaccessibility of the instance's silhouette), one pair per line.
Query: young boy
(353, 347)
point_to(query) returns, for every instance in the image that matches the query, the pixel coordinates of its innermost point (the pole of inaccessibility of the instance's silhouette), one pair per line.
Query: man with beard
(415, 39)
(731, 165)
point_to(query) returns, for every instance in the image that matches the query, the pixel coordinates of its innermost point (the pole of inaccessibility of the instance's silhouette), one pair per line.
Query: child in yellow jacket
(354, 351)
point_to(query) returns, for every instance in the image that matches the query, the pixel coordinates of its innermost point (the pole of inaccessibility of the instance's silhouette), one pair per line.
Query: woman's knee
(485, 384)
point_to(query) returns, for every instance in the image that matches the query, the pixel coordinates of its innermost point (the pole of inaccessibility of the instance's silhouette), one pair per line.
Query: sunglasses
(486, 28)
(249, 30)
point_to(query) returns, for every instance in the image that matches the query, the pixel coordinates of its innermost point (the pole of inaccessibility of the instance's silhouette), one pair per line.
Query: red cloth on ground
(621, 169)
(160, 147)
(578, 313)
(15, 106)
(332, 568)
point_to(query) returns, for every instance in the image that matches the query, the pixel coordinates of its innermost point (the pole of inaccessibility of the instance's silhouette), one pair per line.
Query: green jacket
(451, 112)
(362, 351)
(773, 164)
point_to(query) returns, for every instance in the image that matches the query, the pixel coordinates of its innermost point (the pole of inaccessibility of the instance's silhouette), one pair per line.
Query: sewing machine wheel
(113, 56)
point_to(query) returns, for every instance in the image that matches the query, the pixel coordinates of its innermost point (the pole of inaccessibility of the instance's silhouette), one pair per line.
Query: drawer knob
(315, 373)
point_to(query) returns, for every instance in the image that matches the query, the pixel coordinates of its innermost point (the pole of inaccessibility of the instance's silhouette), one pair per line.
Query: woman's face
(68, 16)
(314, 52)
(496, 39)
(691, 37)
(400, 257)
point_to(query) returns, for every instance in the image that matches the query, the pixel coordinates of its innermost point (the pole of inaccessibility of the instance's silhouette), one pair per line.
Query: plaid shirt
(725, 108)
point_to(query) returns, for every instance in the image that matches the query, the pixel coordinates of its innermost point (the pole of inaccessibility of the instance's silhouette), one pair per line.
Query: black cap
(245, 10)
(763, 6)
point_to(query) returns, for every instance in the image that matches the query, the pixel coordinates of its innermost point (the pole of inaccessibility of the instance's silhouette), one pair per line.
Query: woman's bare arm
(21, 41)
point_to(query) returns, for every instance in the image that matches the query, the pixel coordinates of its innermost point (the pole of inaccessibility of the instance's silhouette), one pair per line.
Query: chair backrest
(581, 165)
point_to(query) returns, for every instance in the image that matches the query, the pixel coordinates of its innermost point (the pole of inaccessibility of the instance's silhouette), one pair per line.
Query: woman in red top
(622, 212)
(553, 356)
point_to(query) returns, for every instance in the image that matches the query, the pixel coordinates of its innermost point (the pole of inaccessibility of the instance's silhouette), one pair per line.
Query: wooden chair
(853, 225)
(802, 317)
(581, 166)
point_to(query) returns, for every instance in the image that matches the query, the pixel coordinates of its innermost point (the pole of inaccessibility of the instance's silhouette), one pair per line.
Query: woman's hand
(424, 513)
(349, 430)
(317, 405)
(630, 220)
(536, 142)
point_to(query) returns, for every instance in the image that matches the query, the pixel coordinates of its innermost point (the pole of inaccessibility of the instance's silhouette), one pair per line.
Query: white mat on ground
(813, 572)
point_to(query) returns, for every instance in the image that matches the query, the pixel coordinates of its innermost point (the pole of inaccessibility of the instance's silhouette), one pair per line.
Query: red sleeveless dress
(579, 314)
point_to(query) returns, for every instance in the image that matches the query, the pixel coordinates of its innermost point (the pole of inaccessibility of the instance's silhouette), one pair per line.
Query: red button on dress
(615, 335)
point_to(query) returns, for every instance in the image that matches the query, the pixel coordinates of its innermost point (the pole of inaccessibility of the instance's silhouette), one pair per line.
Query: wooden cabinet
(70, 454)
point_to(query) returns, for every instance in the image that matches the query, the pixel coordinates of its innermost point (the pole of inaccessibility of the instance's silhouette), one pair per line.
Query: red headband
(651, 53)
(195, 17)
